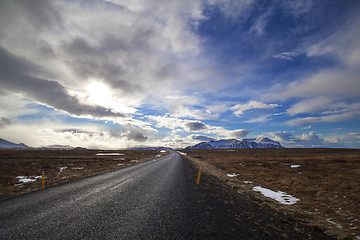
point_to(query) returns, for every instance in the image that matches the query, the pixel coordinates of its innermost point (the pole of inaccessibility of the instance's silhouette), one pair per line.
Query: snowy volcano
(261, 142)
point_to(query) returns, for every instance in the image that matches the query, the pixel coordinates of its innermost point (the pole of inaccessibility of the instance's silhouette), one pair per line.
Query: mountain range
(261, 142)
(7, 144)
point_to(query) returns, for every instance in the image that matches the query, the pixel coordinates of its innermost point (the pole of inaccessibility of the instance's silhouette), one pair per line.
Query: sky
(114, 74)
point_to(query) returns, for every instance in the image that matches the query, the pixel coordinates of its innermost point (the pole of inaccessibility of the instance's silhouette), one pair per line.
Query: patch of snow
(78, 168)
(133, 160)
(279, 196)
(295, 166)
(181, 153)
(358, 237)
(158, 155)
(232, 175)
(61, 169)
(247, 182)
(26, 179)
(120, 164)
(109, 154)
(163, 151)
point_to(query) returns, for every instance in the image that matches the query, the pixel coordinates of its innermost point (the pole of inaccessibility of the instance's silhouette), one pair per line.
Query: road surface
(157, 199)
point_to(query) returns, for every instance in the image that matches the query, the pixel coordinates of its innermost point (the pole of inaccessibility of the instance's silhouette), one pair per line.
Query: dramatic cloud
(117, 73)
(135, 49)
(14, 77)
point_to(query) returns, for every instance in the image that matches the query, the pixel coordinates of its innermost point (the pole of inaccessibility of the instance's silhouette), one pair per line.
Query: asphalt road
(157, 199)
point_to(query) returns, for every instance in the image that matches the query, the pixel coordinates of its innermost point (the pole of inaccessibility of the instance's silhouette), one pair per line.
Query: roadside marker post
(43, 179)
(198, 179)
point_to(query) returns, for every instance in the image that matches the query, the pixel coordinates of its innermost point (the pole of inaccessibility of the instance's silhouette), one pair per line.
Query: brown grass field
(327, 182)
(60, 166)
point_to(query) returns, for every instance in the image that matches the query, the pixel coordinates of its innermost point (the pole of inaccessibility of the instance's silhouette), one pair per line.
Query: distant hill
(261, 142)
(150, 148)
(7, 144)
(57, 147)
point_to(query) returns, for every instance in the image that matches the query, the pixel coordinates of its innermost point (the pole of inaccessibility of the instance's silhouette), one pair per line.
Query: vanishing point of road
(158, 199)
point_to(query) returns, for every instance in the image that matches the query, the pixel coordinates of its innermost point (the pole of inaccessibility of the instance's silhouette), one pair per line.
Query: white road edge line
(121, 183)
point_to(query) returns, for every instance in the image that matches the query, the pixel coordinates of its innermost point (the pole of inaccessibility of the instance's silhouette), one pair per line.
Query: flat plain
(326, 182)
(21, 170)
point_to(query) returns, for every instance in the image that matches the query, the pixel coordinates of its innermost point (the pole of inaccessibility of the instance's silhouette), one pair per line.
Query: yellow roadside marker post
(43, 179)
(198, 179)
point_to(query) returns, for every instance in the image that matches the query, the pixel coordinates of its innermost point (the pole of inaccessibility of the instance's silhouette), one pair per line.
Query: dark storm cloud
(4, 122)
(202, 138)
(195, 126)
(15, 75)
(136, 136)
(132, 133)
(87, 60)
(240, 133)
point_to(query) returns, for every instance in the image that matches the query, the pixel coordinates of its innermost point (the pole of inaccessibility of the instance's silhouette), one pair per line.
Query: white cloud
(287, 55)
(311, 139)
(261, 119)
(351, 113)
(239, 109)
(45, 132)
(12, 106)
(312, 105)
(330, 83)
(305, 140)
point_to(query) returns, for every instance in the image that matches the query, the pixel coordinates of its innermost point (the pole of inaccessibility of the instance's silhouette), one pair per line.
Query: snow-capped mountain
(261, 142)
(7, 144)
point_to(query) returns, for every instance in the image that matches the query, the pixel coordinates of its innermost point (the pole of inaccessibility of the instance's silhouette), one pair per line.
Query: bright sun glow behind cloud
(99, 94)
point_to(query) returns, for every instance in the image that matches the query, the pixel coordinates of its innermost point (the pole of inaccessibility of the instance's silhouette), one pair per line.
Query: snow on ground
(26, 179)
(279, 196)
(78, 168)
(120, 164)
(232, 175)
(109, 154)
(181, 153)
(295, 166)
(61, 169)
(163, 151)
(133, 160)
(247, 182)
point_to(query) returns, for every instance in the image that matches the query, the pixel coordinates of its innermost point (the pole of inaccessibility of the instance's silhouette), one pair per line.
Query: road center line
(120, 184)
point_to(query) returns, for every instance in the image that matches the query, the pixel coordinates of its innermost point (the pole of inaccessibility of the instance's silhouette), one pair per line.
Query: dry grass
(60, 166)
(327, 182)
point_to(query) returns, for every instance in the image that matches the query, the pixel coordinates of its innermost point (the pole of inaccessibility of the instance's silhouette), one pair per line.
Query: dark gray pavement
(157, 199)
